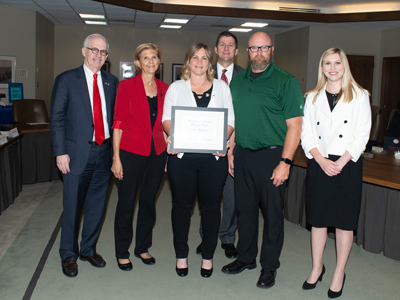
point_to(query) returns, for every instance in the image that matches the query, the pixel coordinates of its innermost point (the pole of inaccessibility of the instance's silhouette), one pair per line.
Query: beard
(259, 62)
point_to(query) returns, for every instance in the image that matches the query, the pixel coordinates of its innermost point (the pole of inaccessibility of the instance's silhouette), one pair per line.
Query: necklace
(199, 87)
(334, 96)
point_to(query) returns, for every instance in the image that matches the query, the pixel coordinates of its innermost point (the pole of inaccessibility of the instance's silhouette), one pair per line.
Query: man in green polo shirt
(268, 106)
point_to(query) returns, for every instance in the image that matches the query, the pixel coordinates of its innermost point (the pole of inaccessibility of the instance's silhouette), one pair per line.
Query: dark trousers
(144, 173)
(205, 177)
(90, 189)
(253, 187)
(229, 220)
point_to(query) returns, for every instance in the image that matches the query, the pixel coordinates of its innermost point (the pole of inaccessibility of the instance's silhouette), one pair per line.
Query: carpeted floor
(27, 226)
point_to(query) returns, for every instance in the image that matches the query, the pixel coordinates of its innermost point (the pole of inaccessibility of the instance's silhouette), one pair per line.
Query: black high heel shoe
(182, 272)
(332, 294)
(310, 286)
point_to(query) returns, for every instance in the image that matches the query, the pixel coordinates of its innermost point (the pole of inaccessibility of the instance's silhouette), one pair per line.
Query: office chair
(29, 111)
(376, 122)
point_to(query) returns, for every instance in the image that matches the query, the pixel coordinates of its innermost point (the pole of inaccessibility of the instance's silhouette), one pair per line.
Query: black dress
(334, 201)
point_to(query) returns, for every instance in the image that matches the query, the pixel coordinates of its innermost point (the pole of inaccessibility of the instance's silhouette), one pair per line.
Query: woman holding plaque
(200, 174)
(336, 127)
(139, 154)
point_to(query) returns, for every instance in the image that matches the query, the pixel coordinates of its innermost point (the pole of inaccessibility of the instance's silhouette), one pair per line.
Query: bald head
(260, 38)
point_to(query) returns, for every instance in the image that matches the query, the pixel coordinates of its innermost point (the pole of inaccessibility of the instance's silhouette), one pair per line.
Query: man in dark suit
(82, 110)
(226, 49)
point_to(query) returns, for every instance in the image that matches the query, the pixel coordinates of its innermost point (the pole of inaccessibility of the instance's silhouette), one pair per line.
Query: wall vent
(299, 9)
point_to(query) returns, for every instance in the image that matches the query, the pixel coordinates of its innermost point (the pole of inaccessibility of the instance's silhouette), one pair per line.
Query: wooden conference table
(379, 221)
(38, 164)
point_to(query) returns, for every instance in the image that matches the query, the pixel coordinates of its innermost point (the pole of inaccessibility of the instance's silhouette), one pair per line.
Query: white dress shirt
(89, 79)
(229, 71)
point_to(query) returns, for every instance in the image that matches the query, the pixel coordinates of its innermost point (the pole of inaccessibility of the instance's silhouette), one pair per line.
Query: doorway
(390, 90)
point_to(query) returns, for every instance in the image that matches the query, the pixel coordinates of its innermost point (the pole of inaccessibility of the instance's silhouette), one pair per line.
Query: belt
(264, 149)
(94, 143)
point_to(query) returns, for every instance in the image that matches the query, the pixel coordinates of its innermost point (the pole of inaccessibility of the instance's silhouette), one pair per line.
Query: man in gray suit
(226, 49)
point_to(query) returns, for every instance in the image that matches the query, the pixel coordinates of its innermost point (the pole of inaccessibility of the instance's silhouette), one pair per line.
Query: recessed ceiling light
(171, 26)
(86, 16)
(241, 29)
(252, 24)
(180, 21)
(95, 23)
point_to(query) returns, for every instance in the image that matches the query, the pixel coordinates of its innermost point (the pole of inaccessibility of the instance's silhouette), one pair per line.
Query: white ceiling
(66, 12)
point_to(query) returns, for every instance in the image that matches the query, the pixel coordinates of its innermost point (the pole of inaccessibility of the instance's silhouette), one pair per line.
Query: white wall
(390, 43)
(29, 37)
(123, 42)
(291, 53)
(17, 38)
(354, 42)
(44, 59)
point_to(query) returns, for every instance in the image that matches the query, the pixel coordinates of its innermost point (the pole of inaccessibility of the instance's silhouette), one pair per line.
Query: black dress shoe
(198, 249)
(182, 272)
(206, 273)
(230, 250)
(146, 261)
(95, 260)
(310, 286)
(332, 294)
(125, 267)
(237, 266)
(266, 279)
(70, 268)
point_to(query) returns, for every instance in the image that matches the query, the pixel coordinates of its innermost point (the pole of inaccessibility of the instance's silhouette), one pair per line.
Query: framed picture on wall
(7, 71)
(176, 71)
(106, 66)
(126, 70)
(160, 73)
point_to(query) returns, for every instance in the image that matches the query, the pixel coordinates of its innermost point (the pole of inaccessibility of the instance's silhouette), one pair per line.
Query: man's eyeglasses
(263, 48)
(95, 51)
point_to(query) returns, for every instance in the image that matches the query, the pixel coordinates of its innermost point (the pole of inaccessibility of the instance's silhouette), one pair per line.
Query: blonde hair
(139, 51)
(348, 84)
(190, 53)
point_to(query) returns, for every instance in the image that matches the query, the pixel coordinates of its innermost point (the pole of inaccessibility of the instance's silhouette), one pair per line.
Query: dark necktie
(97, 113)
(223, 77)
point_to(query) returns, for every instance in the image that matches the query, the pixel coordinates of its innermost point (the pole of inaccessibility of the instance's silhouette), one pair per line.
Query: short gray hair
(86, 41)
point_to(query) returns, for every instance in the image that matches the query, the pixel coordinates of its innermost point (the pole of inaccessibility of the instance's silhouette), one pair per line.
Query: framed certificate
(198, 129)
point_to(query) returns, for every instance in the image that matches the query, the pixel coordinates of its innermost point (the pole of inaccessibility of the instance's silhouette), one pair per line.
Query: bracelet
(286, 161)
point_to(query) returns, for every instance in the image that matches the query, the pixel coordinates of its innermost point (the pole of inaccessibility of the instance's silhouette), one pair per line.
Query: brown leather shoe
(95, 260)
(70, 268)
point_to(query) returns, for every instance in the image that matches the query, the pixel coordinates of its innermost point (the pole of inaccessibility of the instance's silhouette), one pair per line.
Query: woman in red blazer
(139, 154)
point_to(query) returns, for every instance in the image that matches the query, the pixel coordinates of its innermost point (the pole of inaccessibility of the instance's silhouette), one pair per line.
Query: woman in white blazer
(198, 174)
(336, 127)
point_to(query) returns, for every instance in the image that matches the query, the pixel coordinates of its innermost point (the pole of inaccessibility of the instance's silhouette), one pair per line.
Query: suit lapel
(235, 71)
(159, 104)
(322, 104)
(81, 84)
(107, 95)
(142, 100)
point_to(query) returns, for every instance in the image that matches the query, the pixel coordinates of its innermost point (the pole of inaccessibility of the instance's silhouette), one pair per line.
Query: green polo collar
(267, 73)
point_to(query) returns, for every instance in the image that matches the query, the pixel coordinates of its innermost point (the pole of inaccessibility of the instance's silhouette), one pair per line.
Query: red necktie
(97, 113)
(223, 77)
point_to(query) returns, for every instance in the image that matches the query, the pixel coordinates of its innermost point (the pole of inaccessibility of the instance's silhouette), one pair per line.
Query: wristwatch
(286, 161)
